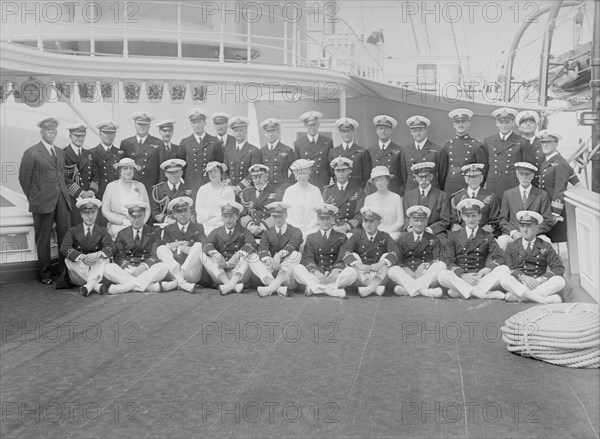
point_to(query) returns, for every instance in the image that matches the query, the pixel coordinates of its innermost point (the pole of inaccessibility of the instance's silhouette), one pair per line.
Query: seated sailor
(536, 270)
(475, 262)
(87, 248)
(278, 253)
(419, 254)
(319, 268)
(368, 254)
(181, 248)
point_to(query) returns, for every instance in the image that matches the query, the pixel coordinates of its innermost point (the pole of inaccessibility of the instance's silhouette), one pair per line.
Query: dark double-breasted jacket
(76, 243)
(462, 255)
(319, 153)
(322, 254)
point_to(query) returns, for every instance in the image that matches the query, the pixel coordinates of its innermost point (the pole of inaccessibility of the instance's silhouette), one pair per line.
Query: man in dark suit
(536, 270)
(474, 260)
(105, 157)
(241, 156)
(368, 254)
(227, 249)
(87, 248)
(181, 247)
(503, 150)
(42, 178)
(425, 194)
(528, 122)
(165, 192)
(82, 181)
(144, 149)
(136, 267)
(198, 150)
(490, 212)
(314, 146)
(278, 254)
(345, 196)
(385, 153)
(421, 150)
(256, 216)
(462, 150)
(361, 161)
(167, 150)
(320, 266)
(219, 121)
(523, 197)
(419, 254)
(275, 155)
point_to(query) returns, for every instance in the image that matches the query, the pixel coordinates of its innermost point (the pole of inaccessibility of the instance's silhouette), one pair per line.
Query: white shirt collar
(239, 145)
(416, 236)
(347, 145)
(173, 186)
(385, 145)
(371, 237)
(526, 243)
(77, 149)
(522, 189)
(199, 138)
(474, 192)
(314, 138)
(47, 145)
(427, 189)
(505, 136)
(181, 226)
(326, 233)
(282, 229)
(422, 144)
(86, 228)
(468, 230)
(340, 185)
(141, 139)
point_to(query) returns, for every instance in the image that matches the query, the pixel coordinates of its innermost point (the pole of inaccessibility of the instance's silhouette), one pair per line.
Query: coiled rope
(565, 334)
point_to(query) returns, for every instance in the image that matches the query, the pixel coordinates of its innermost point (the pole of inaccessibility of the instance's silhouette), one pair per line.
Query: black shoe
(84, 291)
(103, 288)
(46, 281)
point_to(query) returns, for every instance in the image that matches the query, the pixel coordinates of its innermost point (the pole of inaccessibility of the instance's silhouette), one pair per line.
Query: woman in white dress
(388, 202)
(121, 192)
(303, 197)
(211, 195)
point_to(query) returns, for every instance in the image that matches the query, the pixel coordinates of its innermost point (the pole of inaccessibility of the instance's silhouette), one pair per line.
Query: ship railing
(334, 46)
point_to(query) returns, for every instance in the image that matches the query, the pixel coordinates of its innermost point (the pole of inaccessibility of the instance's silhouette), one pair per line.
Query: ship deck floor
(203, 365)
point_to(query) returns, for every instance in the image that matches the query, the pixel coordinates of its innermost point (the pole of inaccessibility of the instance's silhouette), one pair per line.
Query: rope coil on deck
(565, 334)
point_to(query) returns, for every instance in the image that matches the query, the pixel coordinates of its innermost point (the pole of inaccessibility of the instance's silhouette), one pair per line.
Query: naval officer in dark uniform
(320, 267)
(144, 149)
(198, 150)
(82, 181)
(314, 146)
(462, 150)
(528, 122)
(42, 178)
(163, 193)
(490, 212)
(345, 196)
(422, 150)
(277, 156)
(503, 150)
(385, 153)
(87, 248)
(240, 156)
(256, 217)
(361, 161)
(219, 121)
(168, 149)
(105, 157)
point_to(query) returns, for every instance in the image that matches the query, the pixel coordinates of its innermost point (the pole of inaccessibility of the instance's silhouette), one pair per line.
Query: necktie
(137, 238)
(371, 238)
(471, 235)
(524, 198)
(312, 141)
(183, 230)
(382, 146)
(418, 241)
(167, 147)
(342, 188)
(78, 152)
(279, 233)
(88, 233)
(324, 235)
(472, 194)
(239, 147)
(422, 193)
(53, 153)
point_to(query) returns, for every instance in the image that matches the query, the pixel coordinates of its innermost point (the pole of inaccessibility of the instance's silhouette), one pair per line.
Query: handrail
(343, 51)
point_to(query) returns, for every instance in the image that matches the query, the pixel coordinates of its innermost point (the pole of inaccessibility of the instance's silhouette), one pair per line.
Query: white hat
(88, 204)
(527, 115)
(460, 114)
(231, 207)
(418, 211)
(469, 205)
(137, 207)
(270, 123)
(473, 168)
(346, 123)
(326, 209)
(179, 201)
(341, 162)
(127, 162)
(238, 121)
(310, 115)
(418, 122)
(380, 171)
(420, 167)
(529, 217)
(301, 164)
(371, 212)
(196, 113)
(278, 207)
(504, 112)
(212, 165)
(526, 166)
(549, 136)
(258, 167)
(108, 126)
(220, 116)
(165, 123)
(384, 120)
(77, 128)
(172, 164)
(142, 117)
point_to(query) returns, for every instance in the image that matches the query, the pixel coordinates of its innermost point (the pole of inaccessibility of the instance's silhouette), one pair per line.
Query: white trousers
(352, 276)
(425, 281)
(212, 267)
(117, 275)
(552, 286)
(81, 274)
(191, 267)
(260, 269)
(490, 281)
(305, 277)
